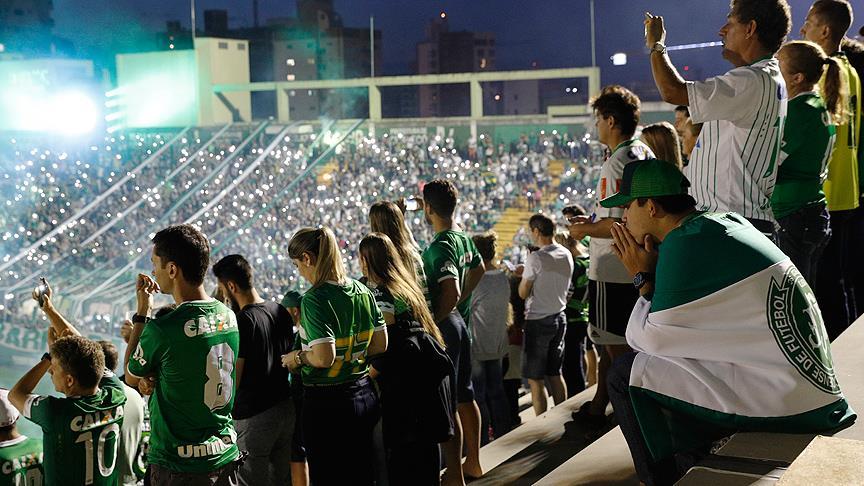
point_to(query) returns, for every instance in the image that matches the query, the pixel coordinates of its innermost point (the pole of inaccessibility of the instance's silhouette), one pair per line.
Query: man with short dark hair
(264, 414)
(81, 431)
(734, 163)
(610, 293)
(20, 456)
(544, 286)
(192, 352)
(133, 422)
(453, 268)
(724, 326)
(826, 24)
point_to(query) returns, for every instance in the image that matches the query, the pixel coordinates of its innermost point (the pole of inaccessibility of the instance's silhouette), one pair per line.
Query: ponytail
(835, 90)
(810, 60)
(321, 245)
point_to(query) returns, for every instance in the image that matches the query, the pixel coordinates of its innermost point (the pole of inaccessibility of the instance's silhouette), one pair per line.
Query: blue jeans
(803, 236)
(488, 380)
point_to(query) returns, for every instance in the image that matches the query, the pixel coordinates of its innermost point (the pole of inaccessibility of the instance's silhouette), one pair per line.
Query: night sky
(554, 33)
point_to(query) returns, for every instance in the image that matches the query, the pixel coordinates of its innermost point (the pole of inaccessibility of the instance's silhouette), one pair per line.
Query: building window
(241, 46)
(289, 62)
(310, 60)
(290, 77)
(293, 93)
(223, 45)
(483, 63)
(290, 46)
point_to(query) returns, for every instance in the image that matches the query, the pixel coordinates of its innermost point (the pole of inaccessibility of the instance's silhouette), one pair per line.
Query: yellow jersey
(841, 187)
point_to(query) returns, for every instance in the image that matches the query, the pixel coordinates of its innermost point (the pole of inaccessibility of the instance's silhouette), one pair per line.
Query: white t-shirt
(550, 268)
(605, 266)
(734, 164)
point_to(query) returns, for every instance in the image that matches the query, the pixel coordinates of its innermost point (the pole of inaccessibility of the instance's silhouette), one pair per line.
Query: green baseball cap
(292, 299)
(648, 178)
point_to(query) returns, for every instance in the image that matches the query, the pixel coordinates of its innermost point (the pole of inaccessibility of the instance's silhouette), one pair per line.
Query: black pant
(856, 265)
(337, 423)
(573, 370)
(511, 392)
(802, 237)
(833, 281)
(416, 462)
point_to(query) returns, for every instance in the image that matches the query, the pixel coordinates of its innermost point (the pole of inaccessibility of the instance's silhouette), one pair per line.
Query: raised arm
(59, 323)
(672, 87)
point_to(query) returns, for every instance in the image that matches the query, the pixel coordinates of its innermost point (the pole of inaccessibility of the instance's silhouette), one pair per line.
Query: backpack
(427, 400)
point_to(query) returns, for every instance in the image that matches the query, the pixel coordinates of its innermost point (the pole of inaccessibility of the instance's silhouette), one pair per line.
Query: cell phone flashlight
(41, 290)
(412, 204)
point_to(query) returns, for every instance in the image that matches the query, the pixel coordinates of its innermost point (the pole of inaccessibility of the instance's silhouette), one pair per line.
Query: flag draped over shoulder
(732, 339)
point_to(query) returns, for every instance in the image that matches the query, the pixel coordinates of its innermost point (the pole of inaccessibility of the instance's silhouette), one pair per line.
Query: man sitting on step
(727, 334)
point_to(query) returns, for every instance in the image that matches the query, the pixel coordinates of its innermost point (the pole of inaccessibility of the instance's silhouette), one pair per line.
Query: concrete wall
(222, 61)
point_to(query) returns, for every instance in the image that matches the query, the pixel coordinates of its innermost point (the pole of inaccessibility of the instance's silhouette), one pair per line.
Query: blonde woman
(664, 142)
(340, 326)
(809, 135)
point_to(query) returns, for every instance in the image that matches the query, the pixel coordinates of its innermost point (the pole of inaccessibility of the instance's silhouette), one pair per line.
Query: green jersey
(387, 302)
(450, 255)
(345, 315)
(808, 139)
(81, 434)
(577, 298)
(21, 462)
(191, 351)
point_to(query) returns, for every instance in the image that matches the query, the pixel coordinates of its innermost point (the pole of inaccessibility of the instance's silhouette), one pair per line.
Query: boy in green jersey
(82, 430)
(20, 456)
(191, 352)
(453, 268)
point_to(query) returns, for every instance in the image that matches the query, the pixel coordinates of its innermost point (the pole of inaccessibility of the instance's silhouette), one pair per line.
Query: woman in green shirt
(808, 138)
(340, 326)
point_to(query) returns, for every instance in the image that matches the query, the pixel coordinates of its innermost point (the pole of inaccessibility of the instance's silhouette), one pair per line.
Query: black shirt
(266, 333)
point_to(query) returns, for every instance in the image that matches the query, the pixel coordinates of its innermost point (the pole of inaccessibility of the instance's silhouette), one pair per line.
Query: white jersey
(605, 266)
(734, 164)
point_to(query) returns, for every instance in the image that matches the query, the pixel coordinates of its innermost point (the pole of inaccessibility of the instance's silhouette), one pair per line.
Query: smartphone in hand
(42, 290)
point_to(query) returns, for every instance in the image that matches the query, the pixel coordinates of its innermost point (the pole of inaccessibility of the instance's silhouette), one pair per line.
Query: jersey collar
(625, 143)
(15, 441)
(814, 93)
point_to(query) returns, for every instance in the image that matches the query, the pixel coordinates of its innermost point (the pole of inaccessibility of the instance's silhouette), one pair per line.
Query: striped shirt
(734, 164)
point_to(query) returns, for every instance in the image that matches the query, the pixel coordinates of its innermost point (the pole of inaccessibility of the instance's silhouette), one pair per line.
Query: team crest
(796, 322)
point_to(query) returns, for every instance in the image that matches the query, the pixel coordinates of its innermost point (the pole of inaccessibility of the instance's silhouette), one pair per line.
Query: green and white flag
(732, 339)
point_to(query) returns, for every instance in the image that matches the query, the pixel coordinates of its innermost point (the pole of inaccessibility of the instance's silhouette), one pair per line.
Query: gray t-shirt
(489, 303)
(550, 268)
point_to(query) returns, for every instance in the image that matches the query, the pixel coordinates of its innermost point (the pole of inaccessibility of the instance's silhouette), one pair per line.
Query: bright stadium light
(619, 59)
(75, 113)
(69, 112)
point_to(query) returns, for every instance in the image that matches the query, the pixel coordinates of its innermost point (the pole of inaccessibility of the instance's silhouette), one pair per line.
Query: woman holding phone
(340, 327)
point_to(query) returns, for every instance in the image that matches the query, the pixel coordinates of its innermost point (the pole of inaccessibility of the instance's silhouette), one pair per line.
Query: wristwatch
(642, 278)
(658, 47)
(138, 319)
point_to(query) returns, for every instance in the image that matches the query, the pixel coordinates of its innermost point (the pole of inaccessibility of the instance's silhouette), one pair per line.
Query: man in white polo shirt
(734, 164)
(544, 286)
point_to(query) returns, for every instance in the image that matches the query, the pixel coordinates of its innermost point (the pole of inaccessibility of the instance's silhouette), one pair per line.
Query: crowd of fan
(259, 211)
